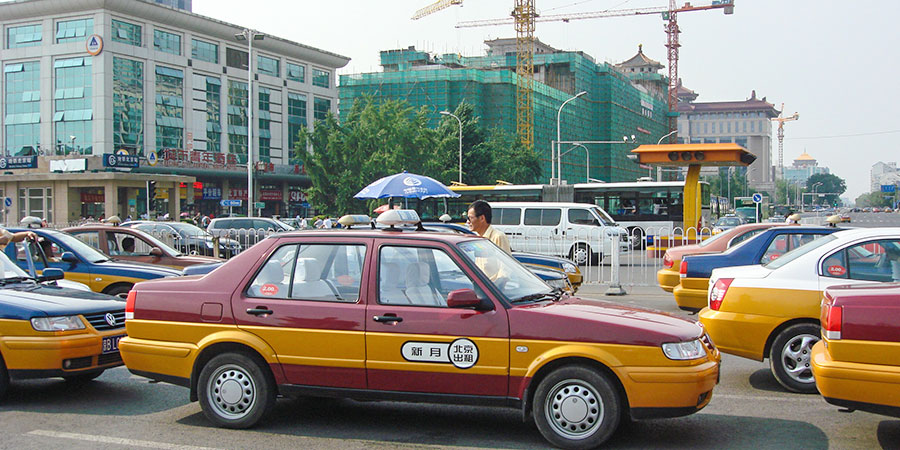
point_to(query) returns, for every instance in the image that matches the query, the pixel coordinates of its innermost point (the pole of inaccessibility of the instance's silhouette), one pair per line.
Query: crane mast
(781, 120)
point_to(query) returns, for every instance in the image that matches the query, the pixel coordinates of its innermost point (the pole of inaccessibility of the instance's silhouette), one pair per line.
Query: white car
(772, 311)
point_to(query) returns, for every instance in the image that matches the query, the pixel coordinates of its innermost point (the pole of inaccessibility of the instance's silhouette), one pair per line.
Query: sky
(832, 62)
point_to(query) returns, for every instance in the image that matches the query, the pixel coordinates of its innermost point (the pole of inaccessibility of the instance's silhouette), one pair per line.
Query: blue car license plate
(111, 344)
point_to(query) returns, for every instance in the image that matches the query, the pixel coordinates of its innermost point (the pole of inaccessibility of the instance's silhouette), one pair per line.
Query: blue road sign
(7, 201)
(227, 203)
(888, 188)
(757, 198)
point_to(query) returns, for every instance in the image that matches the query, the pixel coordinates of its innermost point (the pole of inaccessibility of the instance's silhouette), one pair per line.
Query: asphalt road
(748, 410)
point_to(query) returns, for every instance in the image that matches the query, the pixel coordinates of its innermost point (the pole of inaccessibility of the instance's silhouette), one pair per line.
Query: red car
(131, 244)
(412, 316)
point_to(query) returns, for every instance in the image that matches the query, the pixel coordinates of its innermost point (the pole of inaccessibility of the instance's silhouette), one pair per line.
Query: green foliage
(831, 184)
(719, 184)
(871, 199)
(384, 138)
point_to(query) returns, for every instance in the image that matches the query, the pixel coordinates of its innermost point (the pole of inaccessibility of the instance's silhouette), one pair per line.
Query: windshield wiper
(538, 296)
(9, 280)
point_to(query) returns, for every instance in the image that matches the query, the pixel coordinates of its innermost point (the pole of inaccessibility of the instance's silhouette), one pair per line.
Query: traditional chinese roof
(751, 104)
(805, 157)
(686, 94)
(640, 60)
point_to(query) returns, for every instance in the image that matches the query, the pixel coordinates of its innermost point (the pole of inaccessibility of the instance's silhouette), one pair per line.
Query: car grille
(98, 320)
(109, 358)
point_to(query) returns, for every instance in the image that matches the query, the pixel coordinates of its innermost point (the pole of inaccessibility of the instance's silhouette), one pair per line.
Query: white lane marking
(115, 440)
(768, 399)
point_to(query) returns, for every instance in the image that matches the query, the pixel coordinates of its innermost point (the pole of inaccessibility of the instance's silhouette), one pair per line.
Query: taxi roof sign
(724, 154)
(394, 217)
(350, 220)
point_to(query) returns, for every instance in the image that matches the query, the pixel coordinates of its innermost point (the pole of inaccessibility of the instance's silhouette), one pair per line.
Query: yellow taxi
(403, 315)
(772, 310)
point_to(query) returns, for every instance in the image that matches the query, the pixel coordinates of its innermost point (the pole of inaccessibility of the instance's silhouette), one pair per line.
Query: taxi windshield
(712, 239)
(81, 249)
(512, 278)
(10, 269)
(799, 251)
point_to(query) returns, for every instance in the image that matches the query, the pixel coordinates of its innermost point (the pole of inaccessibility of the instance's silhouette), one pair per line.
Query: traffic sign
(7, 202)
(228, 203)
(888, 188)
(259, 205)
(152, 159)
(757, 198)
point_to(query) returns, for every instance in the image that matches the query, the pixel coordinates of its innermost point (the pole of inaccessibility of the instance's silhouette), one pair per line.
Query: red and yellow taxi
(403, 315)
(772, 310)
(857, 362)
(669, 277)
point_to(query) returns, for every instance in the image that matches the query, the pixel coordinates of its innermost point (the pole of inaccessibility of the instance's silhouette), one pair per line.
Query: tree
(832, 185)
(870, 199)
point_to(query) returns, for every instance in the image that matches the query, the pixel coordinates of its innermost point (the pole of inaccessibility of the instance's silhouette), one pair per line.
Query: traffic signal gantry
(694, 156)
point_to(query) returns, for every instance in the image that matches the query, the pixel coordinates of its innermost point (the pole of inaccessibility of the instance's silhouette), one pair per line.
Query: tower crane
(781, 120)
(669, 13)
(523, 16)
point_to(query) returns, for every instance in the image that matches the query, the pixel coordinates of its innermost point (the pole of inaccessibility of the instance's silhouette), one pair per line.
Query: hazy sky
(834, 62)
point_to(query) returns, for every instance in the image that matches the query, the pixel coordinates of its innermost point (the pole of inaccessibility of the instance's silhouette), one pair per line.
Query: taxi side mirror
(463, 298)
(50, 274)
(69, 257)
(156, 251)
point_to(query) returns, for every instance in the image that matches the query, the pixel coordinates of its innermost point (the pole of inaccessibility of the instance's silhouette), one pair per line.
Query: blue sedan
(691, 293)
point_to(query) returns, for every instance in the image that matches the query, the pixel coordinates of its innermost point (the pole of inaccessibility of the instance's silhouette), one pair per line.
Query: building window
(237, 119)
(23, 108)
(213, 114)
(268, 66)
(321, 107)
(167, 42)
(296, 110)
(128, 105)
(72, 103)
(36, 202)
(264, 130)
(23, 36)
(205, 51)
(296, 72)
(74, 30)
(169, 108)
(320, 78)
(706, 128)
(126, 33)
(235, 58)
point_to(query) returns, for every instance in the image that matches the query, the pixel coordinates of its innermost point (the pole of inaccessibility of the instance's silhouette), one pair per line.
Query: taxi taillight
(717, 293)
(668, 262)
(682, 270)
(129, 304)
(832, 322)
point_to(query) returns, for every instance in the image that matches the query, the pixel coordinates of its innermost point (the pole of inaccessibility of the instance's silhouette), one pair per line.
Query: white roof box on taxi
(393, 217)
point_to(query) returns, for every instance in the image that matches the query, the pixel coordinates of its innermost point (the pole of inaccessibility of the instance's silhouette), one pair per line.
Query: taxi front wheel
(791, 356)
(4, 378)
(576, 407)
(235, 391)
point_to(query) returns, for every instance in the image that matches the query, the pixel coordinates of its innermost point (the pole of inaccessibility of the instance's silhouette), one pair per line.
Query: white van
(581, 232)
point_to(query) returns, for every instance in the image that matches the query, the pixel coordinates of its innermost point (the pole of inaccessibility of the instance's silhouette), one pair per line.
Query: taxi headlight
(684, 350)
(60, 323)
(559, 283)
(569, 268)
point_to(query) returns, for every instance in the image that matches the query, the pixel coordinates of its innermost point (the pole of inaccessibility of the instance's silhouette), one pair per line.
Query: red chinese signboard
(237, 194)
(192, 158)
(87, 197)
(270, 195)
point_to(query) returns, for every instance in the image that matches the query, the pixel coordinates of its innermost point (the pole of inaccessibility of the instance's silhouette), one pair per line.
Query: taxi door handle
(260, 311)
(387, 318)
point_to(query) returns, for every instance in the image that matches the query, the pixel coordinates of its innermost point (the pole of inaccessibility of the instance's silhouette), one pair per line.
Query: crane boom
(781, 121)
(435, 7)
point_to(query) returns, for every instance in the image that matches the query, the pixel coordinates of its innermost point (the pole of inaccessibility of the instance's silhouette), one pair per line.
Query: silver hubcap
(581, 255)
(573, 409)
(795, 358)
(232, 391)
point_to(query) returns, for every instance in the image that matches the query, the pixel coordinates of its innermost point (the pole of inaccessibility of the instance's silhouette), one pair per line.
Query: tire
(4, 379)
(582, 255)
(235, 391)
(576, 394)
(83, 377)
(120, 290)
(789, 357)
(637, 238)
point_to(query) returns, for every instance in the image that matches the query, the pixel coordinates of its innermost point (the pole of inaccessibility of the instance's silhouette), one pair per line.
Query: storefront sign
(121, 161)
(192, 158)
(94, 44)
(89, 197)
(212, 193)
(271, 195)
(296, 196)
(237, 193)
(18, 162)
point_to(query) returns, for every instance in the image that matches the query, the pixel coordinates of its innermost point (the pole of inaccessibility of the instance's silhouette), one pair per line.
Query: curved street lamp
(587, 156)
(558, 138)
(448, 113)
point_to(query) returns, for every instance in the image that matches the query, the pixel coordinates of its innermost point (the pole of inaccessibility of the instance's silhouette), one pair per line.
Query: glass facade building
(169, 108)
(74, 30)
(237, 119)
(128, 105)
(72, 111)
(23, 108)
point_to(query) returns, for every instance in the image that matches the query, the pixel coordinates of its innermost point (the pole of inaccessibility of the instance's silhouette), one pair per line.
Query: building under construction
(622, 100)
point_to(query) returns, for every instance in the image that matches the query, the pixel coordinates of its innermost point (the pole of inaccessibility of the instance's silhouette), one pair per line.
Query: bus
(638, 206)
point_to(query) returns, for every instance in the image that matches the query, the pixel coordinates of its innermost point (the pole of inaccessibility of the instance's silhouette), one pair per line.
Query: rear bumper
(152, 357)
(691, 293)
(738, 334)
(866, 387)
(668, 279)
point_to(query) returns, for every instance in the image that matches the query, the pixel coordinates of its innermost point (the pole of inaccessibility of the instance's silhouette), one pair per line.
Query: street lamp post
(558, 138)
(249, 36)
(587, 157)
(815, 187)
(448, 113)
(659, 168)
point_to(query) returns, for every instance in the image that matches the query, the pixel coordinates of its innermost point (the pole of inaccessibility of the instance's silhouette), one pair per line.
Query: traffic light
(151, 190)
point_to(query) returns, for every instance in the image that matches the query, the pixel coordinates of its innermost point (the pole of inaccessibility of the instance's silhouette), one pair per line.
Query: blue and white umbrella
(406, 185)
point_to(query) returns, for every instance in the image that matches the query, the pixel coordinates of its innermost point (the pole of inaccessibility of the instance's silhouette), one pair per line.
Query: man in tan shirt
(479, 220)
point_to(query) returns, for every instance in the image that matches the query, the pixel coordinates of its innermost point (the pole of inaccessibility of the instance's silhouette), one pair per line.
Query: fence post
(615, 287)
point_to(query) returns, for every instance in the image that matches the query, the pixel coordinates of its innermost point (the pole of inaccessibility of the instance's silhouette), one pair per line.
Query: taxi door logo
(462, 353)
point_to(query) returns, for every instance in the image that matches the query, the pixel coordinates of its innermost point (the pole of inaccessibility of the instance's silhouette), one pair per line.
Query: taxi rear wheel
(790, 357)
(4, 378)
(235, 391)
(576, 407)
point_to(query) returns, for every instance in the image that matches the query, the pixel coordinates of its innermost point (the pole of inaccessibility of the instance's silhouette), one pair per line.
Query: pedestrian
(303, 223)
(479, 220)
(318, 223)
(328, 223)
